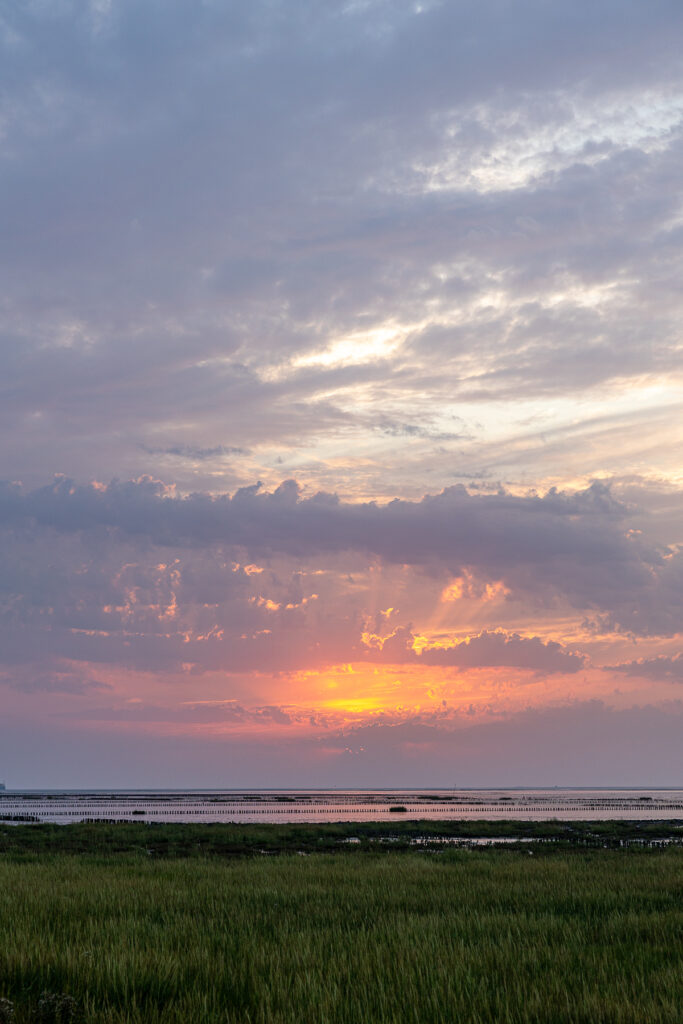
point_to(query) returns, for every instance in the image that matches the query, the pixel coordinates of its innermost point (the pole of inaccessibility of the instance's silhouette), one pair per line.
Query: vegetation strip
(235, 840)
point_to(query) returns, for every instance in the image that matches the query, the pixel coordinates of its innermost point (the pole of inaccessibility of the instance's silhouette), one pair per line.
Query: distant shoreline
(320, 806)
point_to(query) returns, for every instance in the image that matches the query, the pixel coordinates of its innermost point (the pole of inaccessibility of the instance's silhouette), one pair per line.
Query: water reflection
(334, 805)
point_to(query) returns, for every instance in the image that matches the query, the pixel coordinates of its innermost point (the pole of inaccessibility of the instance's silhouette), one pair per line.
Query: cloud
(34, 678)
(183, 451)
(214, 713)
(486, 650)
(498, 532)
(501, 529)
(130, 573)
(134, 576)
(663, 667)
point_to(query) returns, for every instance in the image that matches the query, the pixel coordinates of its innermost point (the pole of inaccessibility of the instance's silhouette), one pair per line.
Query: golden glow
(354, 705)
(454, 591)
(466, 586)
(420, 641)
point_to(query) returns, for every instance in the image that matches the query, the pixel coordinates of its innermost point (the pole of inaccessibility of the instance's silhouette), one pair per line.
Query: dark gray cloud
(34, 678)
(496, 530)
(186, 451)
(487, 650)
(215, 712)
(663, 667)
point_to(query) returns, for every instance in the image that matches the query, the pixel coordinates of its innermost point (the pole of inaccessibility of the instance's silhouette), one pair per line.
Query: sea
(330, 805)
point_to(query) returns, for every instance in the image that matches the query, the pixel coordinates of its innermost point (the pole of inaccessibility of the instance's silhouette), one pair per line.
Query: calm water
(334, 805)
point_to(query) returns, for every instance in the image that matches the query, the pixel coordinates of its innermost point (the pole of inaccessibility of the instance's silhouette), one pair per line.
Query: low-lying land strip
(227, 839)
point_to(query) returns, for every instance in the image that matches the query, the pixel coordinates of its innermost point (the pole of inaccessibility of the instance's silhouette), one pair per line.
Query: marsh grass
(224, 839)
(486, 936)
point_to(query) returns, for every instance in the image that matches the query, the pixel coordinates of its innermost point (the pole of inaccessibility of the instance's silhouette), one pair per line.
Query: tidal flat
(152, 928)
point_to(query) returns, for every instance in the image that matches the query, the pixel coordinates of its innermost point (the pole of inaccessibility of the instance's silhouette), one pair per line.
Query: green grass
(498, 936)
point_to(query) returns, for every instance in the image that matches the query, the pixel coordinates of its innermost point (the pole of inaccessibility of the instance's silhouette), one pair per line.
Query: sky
(340, 393)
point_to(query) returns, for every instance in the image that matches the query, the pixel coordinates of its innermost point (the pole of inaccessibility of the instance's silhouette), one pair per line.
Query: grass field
(484, 936)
